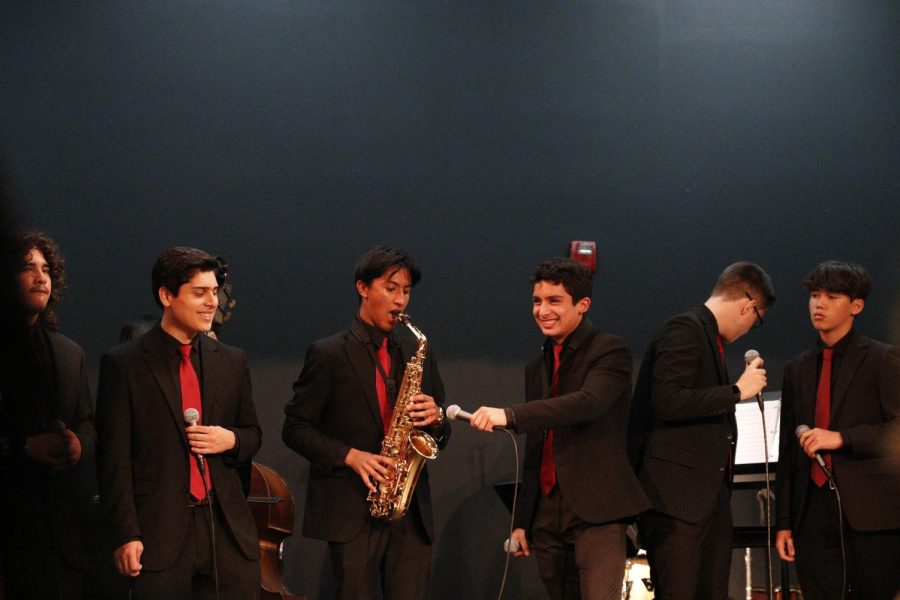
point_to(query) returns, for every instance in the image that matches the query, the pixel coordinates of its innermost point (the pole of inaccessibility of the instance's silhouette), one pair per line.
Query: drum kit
(637, 584)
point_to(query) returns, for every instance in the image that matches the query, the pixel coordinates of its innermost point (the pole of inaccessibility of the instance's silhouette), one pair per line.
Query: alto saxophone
(407, 446)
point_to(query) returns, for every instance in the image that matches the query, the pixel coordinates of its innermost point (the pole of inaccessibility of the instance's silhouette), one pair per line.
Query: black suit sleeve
(435, 389)
(82, 424)
(114, 466)
(247, 433)
(608, 377)
(882, 438)
(676, 395)
(302, 430)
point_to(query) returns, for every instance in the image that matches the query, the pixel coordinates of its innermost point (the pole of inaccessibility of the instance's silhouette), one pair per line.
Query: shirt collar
(376, 336)
(840, 348)
(174, 345)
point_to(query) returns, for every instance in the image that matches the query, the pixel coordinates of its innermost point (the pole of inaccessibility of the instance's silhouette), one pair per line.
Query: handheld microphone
(511, 546)
(749, 357)
(455, 413)
(191, 418)
(800, 430)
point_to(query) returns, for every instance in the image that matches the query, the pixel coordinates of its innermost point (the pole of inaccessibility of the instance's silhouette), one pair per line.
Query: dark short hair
(177, 265)
(26, 241)
(746, 278)
(840, 277)
(378, 260)
(575, 277)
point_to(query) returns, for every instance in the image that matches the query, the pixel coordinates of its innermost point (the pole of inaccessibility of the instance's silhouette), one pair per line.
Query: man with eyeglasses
(683, 433)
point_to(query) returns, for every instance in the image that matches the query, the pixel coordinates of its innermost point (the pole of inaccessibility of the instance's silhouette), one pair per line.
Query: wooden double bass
(272, 504)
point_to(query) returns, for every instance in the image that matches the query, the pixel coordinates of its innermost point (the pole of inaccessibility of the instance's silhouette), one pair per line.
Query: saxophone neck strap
(362, 335)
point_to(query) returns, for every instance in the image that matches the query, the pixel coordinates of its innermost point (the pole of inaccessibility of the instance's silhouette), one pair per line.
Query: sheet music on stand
(750, 449)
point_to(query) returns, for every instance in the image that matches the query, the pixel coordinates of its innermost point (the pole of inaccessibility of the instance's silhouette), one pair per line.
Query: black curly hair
(26, 241)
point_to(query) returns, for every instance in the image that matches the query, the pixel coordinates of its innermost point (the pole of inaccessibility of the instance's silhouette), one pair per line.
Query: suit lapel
(361, 361)
(157, 356)
(62, 363)
(810, 383)
(711, 329)
(210, 364)
(856, 352)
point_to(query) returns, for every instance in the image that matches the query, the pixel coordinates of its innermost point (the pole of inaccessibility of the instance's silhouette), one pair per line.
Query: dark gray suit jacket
(865, 409)
(143, 455)
(589, 416)
(682, 429)
(334, 409)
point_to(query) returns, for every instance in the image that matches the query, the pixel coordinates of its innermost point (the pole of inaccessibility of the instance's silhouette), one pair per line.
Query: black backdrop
(288, 136)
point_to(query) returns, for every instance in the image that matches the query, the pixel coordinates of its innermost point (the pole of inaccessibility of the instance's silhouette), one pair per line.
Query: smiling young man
(847, 392)
(153, 495)
(683, 433)
(47, 438)
(337, 419)
(579, 491)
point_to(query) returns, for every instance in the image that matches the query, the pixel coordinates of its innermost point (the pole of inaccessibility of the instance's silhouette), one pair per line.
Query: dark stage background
(288, 136)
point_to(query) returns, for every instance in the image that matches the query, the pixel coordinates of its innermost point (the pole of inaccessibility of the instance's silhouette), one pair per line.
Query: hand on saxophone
(423, 410)
(369, 466)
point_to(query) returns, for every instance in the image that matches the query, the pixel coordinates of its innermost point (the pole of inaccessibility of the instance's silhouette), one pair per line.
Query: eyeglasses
(759, 319)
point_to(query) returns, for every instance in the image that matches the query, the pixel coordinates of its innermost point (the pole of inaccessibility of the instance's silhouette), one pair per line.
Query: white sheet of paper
(750, 447)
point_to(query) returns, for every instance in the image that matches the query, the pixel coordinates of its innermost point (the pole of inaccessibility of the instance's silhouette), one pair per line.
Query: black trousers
(872, 557)
(690, 561)
(577, 559)
(193, 574)
(393, 556)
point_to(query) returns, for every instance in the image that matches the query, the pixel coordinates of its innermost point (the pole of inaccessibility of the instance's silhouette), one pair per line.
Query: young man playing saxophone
(337, 419)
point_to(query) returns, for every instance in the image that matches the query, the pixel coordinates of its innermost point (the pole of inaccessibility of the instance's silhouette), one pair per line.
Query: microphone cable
(512, 512)
(201, 465)
(840, 515)
(770, 590)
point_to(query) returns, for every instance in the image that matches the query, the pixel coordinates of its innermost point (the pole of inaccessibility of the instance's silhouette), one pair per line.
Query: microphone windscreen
(191, 416)
(800, 430)
(750, 355)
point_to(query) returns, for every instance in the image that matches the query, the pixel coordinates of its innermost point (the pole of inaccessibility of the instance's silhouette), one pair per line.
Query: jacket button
(729, 437)
(722, 469)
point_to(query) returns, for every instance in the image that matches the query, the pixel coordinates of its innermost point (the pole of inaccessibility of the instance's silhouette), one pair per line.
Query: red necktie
(384, 403)
(548, 467)
(190, 398)
(720, 344)
(823, 414)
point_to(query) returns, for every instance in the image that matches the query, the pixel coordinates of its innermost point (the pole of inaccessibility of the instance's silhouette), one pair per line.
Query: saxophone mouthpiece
(403, 318)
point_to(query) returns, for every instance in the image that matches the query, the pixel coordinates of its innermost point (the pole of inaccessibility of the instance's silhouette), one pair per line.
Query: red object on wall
(584, 252)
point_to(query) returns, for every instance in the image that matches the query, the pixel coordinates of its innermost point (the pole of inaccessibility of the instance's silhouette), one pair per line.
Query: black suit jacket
(682, 430)
(143, 456)
(865, 409)
(71, 490)
(334, 409)
(589, 416)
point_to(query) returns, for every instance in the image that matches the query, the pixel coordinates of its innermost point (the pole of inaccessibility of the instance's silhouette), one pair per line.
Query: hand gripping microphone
(800, 430)
(749, 357)
(191, 418)
(455, 413)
